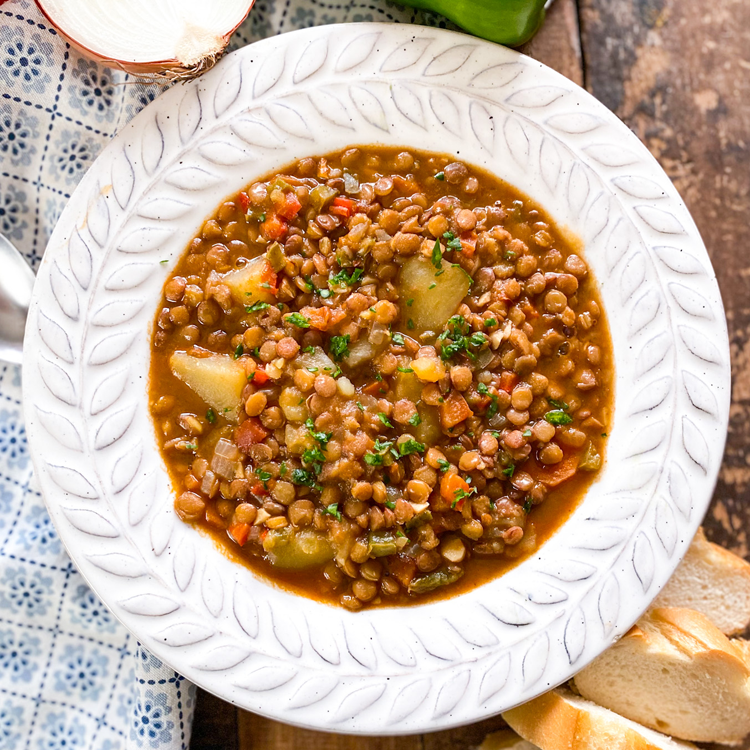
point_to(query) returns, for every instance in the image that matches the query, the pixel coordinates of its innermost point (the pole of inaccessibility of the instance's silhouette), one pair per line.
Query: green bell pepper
(509, 22)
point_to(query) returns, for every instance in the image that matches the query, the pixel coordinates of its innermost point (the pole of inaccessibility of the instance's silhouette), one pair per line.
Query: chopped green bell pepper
(509, 22)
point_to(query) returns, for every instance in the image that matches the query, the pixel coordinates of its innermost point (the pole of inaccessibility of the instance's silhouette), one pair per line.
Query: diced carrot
(558, 473)
(274, 227)
(259, 377)
(337, 315)
(375, 389)
(342, 206)
(250, 432)
(270, 277)
(291, 205)
(243, 199)
(468, 245)
(450, 484)
(239, 532)
(402, 568)
(508, 380)
(454, 410)
(319, 317)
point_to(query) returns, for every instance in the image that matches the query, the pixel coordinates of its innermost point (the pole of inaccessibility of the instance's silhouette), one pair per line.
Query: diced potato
(428, 430)
(218, 380)
(297, 439)
(408, 387)
(432, 307)
(363, 351)
(246, 283)
(316, 361)
(292, 403)
(296, 550)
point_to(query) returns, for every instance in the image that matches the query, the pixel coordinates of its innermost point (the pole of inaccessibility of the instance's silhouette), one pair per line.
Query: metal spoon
(16, 283)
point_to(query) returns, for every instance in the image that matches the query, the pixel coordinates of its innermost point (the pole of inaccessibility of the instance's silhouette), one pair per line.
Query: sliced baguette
(713, 581)
(560, 720)
(505, 739)
(677, 673)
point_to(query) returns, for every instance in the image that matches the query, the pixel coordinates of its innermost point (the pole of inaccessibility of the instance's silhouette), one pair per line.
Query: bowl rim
(264, 649)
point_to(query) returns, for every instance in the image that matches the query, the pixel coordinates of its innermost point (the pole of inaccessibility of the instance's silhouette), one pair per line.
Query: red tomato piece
(250, 432)
(291, 206)
(274, 227)
(508, 380)
(342, 206)
(244, 202)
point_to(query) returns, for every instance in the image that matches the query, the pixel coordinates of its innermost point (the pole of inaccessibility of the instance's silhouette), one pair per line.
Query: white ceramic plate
(385, 671)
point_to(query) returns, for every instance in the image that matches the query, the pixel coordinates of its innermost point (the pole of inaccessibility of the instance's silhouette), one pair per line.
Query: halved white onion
(174, 38)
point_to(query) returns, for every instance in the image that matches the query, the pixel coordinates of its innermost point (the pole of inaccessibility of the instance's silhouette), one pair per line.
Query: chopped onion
(351, 184)
(158, 37)
(209, 484)
(225, 455)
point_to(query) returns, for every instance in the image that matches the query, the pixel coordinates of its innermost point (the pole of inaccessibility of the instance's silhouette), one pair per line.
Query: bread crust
(558, 720)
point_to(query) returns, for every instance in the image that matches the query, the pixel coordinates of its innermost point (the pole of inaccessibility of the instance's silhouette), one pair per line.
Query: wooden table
(678, 73)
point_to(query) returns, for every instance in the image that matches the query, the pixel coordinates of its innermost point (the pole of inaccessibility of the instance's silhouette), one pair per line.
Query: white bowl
(382, 671)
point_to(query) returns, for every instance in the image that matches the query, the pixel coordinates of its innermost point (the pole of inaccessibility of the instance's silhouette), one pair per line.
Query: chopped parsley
(415, 419)
(381, 453)
(440, 176)
(332, 510)
(527, 506)
(342, 278)
(359, 406)
(384, 419)
(390, 504)
(398, 339)
(460, 495)
(339, 347)
(283, 469)
(437, 255)
(263, 476)
(410, 446)
(558, 404)
(527, 433)
(404, 369)
(453, 242)
(410, 302)
(483, 389)
(494, 407)
(239, 351)
(558, 417)
(302, 477)
(490, 322)
(410, 324)
(378, 377)
(443, 465)
(509, 470)
(313, 456)
(309, 350)
(457, 339)
(257, 307)
(432, 286)
(163, 261)
(211, 416)
(321, 437)
(191, 446)
(298, 320)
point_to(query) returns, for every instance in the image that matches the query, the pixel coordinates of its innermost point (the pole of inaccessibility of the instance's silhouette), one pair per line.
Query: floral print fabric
(71, 678)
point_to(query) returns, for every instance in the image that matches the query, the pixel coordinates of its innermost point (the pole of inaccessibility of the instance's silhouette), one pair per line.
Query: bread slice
(713, 581)
(677, 673)
(560, 720)
(505, 739)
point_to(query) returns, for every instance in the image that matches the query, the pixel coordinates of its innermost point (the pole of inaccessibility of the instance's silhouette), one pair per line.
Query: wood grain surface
(678, 73)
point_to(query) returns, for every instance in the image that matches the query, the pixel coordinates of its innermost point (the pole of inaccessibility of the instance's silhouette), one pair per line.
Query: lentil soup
(380, 377)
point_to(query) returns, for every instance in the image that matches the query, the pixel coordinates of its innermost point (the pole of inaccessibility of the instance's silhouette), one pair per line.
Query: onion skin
(168, 70)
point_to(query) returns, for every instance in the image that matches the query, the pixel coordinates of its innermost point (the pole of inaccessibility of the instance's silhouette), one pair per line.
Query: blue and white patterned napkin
(71, 677)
